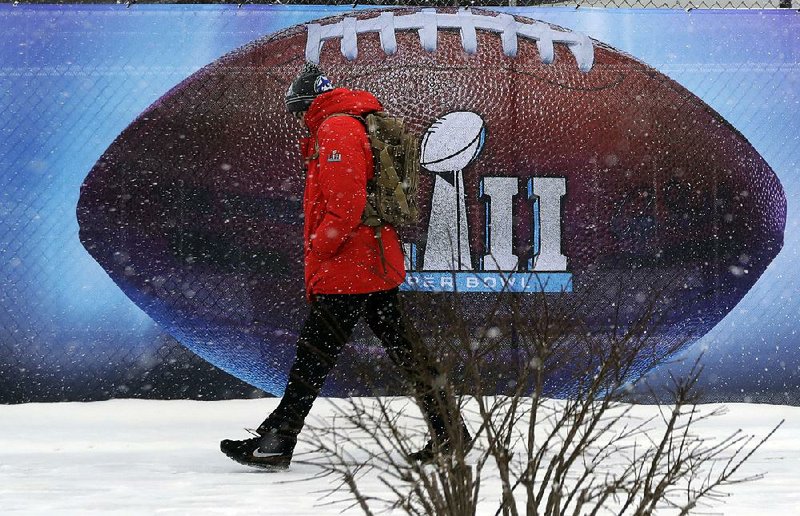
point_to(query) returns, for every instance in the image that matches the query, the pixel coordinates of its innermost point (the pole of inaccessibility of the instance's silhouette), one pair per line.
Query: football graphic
(551, 155)
(452, 142)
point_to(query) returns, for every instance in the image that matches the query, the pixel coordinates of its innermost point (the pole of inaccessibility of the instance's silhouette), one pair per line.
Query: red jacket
(342, 256)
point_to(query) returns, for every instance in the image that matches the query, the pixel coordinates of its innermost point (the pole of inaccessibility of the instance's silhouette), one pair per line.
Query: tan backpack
(392, 192)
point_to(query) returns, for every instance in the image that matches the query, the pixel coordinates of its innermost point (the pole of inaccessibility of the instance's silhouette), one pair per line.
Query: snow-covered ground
(162, 457)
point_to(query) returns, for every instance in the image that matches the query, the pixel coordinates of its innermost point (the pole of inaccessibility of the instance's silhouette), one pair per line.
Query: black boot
(441, 445)
(272, 450)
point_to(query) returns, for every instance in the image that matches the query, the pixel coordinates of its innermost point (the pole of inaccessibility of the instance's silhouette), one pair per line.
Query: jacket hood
(340, 100)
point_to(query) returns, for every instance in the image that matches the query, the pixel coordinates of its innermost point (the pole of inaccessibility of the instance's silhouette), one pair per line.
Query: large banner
(152, 185)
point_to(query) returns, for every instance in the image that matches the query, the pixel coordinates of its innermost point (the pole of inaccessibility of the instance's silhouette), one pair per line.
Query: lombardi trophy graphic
(448, 146)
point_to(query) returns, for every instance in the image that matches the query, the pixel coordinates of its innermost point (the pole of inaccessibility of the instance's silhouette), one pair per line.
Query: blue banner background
(73, 77)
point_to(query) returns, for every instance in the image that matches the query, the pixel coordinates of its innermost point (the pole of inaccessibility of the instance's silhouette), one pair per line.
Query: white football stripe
(428, 22)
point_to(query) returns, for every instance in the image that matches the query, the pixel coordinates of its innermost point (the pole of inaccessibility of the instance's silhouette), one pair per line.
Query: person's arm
(342, 178)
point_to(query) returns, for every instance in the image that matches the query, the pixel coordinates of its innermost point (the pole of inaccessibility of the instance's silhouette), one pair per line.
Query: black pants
(326, 331)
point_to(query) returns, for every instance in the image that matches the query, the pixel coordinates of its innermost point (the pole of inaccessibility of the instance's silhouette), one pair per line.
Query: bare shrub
(591, 452)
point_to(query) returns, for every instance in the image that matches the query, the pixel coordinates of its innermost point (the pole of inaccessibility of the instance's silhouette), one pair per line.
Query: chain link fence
(56, 341)
(631, 4)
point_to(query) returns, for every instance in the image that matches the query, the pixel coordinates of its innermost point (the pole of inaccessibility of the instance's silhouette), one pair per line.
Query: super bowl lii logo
(447, 148)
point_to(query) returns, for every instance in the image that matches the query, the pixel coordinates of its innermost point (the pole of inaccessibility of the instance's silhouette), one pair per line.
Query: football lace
(427, 23)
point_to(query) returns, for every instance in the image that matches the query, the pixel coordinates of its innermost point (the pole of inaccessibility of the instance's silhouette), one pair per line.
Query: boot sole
(277, 465)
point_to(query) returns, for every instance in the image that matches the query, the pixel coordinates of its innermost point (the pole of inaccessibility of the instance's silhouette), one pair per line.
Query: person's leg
(385, 319)
(327, 329)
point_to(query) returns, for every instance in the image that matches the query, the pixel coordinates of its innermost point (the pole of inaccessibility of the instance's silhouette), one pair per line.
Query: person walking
(350, 273)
